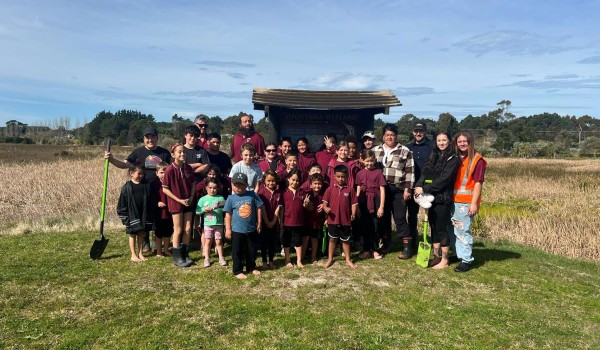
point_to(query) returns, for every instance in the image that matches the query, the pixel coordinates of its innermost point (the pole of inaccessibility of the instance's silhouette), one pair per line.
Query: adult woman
(271, 160)
(438, 180)
(467, 196)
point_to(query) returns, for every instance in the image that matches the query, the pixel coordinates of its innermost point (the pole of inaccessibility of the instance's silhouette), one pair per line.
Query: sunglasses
(202, 125)
(271, 150)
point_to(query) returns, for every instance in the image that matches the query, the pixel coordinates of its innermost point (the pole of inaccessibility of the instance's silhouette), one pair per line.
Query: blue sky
(76, 58)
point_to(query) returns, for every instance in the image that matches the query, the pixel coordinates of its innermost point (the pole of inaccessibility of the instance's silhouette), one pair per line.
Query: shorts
(344, 233)
(188, 209)
(213, 231)
(163, 227)
(293, 235)
(313, 232)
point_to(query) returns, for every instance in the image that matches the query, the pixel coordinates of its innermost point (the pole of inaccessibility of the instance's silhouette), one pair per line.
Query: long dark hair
(438, 157)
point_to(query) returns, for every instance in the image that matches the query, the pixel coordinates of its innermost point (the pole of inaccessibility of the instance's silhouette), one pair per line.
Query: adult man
(201, 123)
(396, 162)
(215, 156)
(246, 134)
(148, 156)
(421, 148)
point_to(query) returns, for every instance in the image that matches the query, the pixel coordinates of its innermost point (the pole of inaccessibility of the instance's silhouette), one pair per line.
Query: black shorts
(292, 235)
(344, 233)
(163, 227)
(313, 232)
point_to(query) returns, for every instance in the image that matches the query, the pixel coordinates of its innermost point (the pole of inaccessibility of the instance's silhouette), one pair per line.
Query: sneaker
(222, 262)
(424, 200)
(463, 267)
(206, 263)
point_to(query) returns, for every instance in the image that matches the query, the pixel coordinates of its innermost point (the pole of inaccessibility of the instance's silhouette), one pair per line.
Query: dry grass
(549, 204)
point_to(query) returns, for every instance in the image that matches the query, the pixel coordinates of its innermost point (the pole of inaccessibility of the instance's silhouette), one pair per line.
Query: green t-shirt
(213, 217)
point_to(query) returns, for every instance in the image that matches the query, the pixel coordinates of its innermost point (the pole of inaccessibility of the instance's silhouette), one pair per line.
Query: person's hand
(161, 205)
(328, 142)
(269, 224)
(258, 228)
(473, 209)
(307, 203)
(407, 195)
(228, 234)
(208, 208)
(418, 191)
(107, 155)
(185, 202)
(327, 210)
(352, 217)
(320, 208)
(379, 212)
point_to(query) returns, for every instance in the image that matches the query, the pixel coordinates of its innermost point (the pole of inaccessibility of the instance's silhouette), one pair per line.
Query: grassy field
(55, 297)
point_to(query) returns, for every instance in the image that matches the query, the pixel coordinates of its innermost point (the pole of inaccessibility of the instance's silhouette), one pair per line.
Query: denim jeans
(462, 232)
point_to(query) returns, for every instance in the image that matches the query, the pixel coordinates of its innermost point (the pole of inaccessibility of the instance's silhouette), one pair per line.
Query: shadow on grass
(483, 255)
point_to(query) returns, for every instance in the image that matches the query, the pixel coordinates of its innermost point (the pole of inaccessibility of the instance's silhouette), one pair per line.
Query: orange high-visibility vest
(464, 183)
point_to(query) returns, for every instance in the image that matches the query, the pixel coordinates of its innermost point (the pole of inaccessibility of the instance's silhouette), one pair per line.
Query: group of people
(269, 196)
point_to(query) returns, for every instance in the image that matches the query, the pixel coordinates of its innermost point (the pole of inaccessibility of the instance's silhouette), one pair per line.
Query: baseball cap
(150, 130)
(420, 126)
(239, 178)
(369, 134)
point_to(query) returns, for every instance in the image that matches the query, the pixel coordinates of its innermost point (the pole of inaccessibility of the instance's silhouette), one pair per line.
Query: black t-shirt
(222, 161)
(196, 155)
(149, 159)
(138, 195)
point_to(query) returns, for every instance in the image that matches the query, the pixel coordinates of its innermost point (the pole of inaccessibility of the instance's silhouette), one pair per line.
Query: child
(211, 206)
(243, 210)
(213, 172)
(370, 191)
(342, 159)
(293, 218)
(135, 210)
(352, 148)
(291, 162)
(178, 185)
(164, 222)
(314, 169)
(327, 152)
(315, 216)
(272, 200)
(339, 203)
(368, 140)
(305, 157)
(247, 167)
(285, 145)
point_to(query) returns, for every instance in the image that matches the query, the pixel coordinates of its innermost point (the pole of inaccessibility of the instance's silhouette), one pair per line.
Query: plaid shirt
(398, 167)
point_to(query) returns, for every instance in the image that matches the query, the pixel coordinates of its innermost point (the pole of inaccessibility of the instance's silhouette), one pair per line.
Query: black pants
(412, 208)
(439, 219)
(268, 242)
(395, 206)
(243, 247)
(370, 226)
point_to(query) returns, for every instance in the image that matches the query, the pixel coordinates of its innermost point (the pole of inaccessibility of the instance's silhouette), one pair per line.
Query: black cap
(150, 131)
(239, 178)
(420, 126)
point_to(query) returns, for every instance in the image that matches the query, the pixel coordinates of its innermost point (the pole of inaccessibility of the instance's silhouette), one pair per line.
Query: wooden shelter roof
(323, 100)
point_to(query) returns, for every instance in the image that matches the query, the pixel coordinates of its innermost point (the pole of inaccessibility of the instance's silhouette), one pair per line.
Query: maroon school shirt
(160, 195)
(323, 157)
(180, 181)
(352, 170)
(370, 182)
(265, 165)
(271, 200)
(305, 160)
(306, 186)
(340, 200)
(294, 208)
(313, 219)
(203, 143)
(238, 140)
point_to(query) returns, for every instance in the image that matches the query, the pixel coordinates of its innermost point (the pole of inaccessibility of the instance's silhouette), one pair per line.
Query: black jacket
(136, 219)
(442, 180)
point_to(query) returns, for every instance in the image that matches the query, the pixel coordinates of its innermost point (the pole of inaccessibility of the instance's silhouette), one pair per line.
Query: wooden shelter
(312, 114)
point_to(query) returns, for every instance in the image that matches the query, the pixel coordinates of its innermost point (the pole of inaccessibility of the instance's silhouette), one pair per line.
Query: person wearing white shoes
(434, 190)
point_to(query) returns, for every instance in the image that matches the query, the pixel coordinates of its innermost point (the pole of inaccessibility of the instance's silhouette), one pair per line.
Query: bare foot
(255, 272)
(134, 258)
(350, 264)
(241, 276)
(159, 255)
(300, 265)
(289, 265)
(328, 263)
(377, 256)
(142, 257)
(271, 266)
(441, 265)
(315, 262)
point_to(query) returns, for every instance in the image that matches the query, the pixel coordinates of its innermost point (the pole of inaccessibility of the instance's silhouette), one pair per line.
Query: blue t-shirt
(243, 211)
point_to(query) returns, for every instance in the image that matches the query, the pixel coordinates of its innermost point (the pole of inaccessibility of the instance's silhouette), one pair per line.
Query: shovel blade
(423, 254)
(98, 248)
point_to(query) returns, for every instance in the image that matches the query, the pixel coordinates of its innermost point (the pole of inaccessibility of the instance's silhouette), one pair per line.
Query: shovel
(100, 244)
(424, 247)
